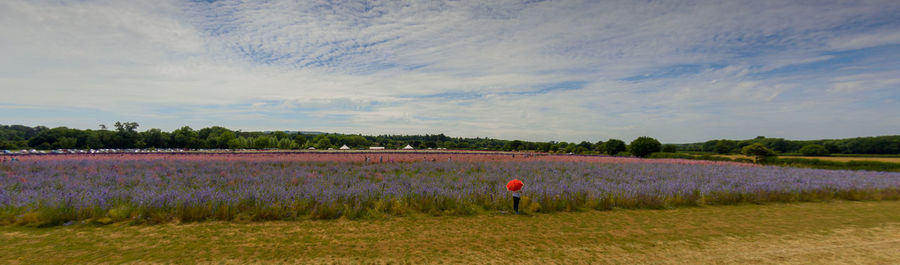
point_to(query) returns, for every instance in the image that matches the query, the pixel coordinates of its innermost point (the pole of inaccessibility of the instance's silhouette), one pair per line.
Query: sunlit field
(837, 232)
(449, 132)
(161, 188)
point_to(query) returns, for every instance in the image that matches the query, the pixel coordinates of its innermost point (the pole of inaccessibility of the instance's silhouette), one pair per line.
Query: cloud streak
(680, 71)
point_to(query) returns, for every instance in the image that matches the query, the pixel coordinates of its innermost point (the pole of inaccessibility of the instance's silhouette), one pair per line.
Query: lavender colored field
(162, 189)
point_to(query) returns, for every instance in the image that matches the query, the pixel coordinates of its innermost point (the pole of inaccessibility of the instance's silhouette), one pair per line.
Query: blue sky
(679, 71)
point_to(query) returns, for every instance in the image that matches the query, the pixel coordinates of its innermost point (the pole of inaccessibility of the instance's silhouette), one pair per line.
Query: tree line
(859, 145)
(125, 135)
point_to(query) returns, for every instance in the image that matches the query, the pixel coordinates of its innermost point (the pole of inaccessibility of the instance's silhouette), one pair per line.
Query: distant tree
(155, 138)
(758, 151)
(234, 144)
(262, 142)
(45, 137)
(571, 148)
(8, 145)
(544, 147)
(832, 147)
(126, 134)
(644, 146)
(300, 139)
(776, 144)
(709, 146)
(513, 145)
(66, 142)
(323, 143)
(319, 137)
(44, 146)
(224, 140)
(355, 141)
(725, 146)
(560, 146)
(599, 147)
(741, 144)
(183, 137)
(615, 146)
(280, 135)
(586, 145)
(872, 145)
(814, 150)
(669, 148)
(106, 138)
(462, 145)
(286, 143)
(243, 142)
(92, 140)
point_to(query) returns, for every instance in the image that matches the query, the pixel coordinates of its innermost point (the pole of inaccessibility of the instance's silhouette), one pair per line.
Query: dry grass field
(848, 158)
(831, 158)
(838, 232)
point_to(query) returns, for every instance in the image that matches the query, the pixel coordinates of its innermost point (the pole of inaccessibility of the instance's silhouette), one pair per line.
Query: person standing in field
(515, 186)
(516, 195)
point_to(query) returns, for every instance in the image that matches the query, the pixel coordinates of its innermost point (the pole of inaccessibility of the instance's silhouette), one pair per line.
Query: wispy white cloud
(556, 70)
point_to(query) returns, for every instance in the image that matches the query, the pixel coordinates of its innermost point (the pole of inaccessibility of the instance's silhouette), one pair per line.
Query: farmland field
(441, 207)
(159, 188)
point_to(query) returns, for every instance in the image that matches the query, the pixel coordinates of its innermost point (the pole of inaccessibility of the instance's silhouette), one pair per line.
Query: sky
(678, 71)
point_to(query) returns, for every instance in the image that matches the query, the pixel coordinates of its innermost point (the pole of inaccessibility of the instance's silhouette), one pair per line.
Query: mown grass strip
(836, 232)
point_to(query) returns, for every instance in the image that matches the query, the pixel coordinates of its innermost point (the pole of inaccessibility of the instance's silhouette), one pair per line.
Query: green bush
(758, 151)
(644, 146)
(614, 146)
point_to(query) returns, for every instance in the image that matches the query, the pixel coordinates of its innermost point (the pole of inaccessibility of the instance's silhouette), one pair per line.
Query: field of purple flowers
(55, 192)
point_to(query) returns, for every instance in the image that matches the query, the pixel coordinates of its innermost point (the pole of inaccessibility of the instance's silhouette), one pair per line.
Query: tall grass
(54, 192)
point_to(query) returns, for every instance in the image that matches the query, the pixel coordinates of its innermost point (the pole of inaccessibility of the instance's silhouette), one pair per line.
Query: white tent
(344, 147)
(312, 148)
(408, 147)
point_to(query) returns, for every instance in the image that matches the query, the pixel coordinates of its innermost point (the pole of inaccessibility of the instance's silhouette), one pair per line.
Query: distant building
(376, 148)
(311, 148)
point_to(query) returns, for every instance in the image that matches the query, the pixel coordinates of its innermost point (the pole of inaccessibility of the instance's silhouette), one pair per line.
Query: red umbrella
(514, 185)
